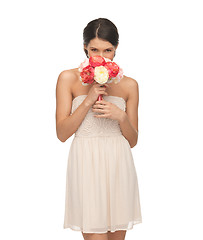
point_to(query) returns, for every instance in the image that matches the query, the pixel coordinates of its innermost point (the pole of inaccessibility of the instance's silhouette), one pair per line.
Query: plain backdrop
(161, 47)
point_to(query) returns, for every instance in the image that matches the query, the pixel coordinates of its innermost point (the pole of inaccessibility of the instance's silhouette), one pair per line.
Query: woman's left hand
(108, 110)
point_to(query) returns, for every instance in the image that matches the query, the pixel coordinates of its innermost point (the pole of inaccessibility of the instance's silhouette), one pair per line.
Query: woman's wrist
(122, 117)
(87, 103)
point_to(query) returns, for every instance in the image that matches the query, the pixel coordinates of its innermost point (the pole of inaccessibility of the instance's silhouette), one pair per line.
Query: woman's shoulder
(69, 75)
(70, 72)
(129, 81)
(131, 86)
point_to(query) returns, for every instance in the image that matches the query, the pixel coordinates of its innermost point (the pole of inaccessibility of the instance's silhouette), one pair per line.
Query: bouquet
(101, 70)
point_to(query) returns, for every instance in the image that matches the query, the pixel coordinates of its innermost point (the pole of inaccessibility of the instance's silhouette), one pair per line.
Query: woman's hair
(101, 28)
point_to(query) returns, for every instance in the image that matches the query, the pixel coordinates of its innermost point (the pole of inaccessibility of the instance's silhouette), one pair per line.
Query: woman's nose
(101, 54)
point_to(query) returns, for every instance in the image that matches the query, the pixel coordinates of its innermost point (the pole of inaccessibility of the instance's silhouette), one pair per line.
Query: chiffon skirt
(101, 185)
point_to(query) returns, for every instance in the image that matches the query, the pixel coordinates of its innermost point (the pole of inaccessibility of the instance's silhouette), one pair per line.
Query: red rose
(87, 74)
(112, 68)
(96, 61)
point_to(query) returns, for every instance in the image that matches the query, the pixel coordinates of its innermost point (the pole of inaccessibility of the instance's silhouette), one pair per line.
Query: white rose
(101, 74)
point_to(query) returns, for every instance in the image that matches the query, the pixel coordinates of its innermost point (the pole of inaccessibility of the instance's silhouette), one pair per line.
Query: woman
(102, 196)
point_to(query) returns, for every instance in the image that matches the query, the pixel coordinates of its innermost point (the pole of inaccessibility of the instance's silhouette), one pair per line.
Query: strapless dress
(101, 182)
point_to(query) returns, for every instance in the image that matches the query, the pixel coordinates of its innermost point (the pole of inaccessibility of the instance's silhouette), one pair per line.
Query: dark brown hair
(101, 28)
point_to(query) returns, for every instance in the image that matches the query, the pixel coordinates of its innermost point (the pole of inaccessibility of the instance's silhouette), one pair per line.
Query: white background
(161, 47)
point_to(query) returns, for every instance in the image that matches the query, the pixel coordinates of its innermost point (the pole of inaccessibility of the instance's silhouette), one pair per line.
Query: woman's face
(100, 47)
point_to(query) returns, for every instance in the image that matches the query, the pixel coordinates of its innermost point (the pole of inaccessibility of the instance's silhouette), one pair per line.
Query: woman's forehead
(96, 42)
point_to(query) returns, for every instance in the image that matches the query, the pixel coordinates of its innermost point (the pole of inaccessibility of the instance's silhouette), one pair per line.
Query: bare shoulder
(68, 77)
(131, 81)
(132, 85)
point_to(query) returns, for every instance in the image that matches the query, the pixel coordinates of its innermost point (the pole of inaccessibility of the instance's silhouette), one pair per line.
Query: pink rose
(112, 68)
(87, 74)
(107, 59)
(120, 74)
(96, 61)
(83, 65)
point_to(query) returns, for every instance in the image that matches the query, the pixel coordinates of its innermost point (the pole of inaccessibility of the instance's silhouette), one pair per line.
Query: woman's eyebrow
(106, 48)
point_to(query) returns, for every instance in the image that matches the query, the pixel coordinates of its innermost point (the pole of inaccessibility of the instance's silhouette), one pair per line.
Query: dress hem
(109, 230)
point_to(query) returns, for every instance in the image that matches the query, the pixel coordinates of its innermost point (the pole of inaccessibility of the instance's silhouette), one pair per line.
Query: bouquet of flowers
(99, 69)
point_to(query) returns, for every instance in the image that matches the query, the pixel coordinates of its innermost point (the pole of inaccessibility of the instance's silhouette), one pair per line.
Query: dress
(101, 182)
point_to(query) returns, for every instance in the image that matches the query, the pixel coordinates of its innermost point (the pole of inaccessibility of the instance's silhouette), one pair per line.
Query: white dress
(101, 183)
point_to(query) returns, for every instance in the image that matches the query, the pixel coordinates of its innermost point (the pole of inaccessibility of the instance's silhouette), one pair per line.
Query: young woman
(102, 195)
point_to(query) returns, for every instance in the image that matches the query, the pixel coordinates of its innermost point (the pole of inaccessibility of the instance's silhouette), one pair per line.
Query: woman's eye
(108, 50)
(94, 50)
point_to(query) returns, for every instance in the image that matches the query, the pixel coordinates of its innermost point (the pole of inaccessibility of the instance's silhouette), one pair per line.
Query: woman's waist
(98, 127)
(97, 134)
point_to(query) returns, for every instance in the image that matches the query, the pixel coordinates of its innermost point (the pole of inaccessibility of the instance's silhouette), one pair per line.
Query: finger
(102, 92)
(101, 116)
(102, 102)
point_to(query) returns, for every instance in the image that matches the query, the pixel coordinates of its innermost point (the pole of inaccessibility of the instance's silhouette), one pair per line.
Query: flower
(99, 69)
(119, 76)
(87, 74)
(83, 65)
(96, 61)
(107, 60)
(101, 74)
(112, 68)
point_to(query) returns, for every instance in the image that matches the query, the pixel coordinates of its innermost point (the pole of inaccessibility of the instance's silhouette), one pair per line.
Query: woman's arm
(129, 119)
(66, 124)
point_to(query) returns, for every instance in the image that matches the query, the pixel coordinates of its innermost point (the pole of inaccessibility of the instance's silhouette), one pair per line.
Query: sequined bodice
(92, 126)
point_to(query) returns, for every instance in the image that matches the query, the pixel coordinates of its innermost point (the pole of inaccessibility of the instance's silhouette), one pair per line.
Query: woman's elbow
(60, 138)
(133, 144)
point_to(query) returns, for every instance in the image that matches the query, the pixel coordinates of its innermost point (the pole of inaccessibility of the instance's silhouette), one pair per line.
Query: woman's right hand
(95, 91)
